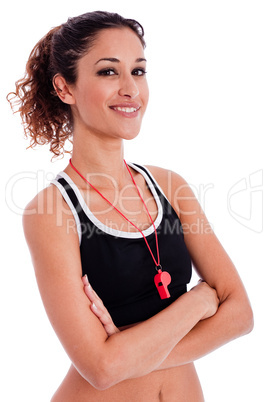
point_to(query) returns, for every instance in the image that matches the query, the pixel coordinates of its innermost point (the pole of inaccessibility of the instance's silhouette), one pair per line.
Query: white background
(207, 120)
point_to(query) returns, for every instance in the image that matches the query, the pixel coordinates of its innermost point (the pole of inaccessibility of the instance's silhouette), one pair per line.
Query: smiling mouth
(125, 109)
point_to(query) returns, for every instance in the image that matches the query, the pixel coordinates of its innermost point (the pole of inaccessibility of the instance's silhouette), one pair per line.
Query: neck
(102, 157)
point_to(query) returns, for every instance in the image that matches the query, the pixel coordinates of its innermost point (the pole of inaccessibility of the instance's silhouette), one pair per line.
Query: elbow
(109, 366)
(106, 374)
(245, 319)
(113, 371)
(97, 375)
(249, 322)
(101, 383)
(239, 314)
(100, 380)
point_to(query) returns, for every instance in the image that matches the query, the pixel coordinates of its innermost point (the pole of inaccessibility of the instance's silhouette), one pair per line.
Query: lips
(128, 109)
(125, 109)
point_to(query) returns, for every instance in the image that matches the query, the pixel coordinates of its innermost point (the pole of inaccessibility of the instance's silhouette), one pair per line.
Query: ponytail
(46, 119)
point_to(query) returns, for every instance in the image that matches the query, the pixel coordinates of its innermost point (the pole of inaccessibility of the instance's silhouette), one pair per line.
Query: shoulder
(46, 214)
(46, 203)
(43, 201)
(166, 176)
(174, 186)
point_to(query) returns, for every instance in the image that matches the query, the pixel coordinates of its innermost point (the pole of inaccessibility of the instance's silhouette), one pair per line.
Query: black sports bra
(119, 265)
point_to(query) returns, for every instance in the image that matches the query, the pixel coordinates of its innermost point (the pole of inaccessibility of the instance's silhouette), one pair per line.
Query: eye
(139, 71)
(107, 72)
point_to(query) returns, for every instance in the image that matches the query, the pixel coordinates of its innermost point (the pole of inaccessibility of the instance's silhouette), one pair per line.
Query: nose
(128, 87)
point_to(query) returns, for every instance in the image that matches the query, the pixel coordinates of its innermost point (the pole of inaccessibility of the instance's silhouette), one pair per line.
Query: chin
(130, 132)
(131, 135)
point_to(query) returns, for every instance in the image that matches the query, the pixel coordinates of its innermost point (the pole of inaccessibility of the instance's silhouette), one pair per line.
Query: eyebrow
(114, 60)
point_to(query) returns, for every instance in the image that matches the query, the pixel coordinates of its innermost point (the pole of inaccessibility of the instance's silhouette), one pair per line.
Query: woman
(115, 225)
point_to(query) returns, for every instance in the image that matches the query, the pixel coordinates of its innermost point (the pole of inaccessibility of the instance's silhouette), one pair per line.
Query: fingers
(85, 280)
(105, 318)
(91, 294)
(98, 308)
(200, 281)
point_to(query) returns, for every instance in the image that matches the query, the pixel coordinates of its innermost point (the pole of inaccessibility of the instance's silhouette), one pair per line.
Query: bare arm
(234, 316)
(103, 361)
(208, 335)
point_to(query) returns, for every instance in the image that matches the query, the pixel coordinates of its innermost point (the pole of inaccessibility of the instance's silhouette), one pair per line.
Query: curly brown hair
(46, 119)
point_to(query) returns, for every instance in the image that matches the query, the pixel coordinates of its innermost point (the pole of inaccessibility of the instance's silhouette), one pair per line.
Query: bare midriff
(179, 384)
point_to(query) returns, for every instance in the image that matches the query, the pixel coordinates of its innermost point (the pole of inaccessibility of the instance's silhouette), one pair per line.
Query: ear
(63, 90)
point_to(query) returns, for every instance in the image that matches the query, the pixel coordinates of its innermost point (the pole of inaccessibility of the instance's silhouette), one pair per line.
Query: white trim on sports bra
(95, 220)
(71, 206)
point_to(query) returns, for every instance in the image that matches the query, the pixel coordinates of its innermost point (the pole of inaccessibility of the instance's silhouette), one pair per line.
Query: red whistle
(162, 280)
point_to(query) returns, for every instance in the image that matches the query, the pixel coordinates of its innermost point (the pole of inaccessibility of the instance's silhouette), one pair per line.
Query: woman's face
(111, 92)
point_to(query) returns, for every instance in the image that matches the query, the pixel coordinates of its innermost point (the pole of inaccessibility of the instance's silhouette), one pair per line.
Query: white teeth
(126, 109)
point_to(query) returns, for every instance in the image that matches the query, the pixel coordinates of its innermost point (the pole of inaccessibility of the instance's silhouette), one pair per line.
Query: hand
(209, 297)
(98, 308)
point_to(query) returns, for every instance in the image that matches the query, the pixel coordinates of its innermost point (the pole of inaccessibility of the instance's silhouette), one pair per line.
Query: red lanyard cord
(157, 263)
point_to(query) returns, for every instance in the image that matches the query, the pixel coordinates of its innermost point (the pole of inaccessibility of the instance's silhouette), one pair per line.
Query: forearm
(142, 349)
(230, 322)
